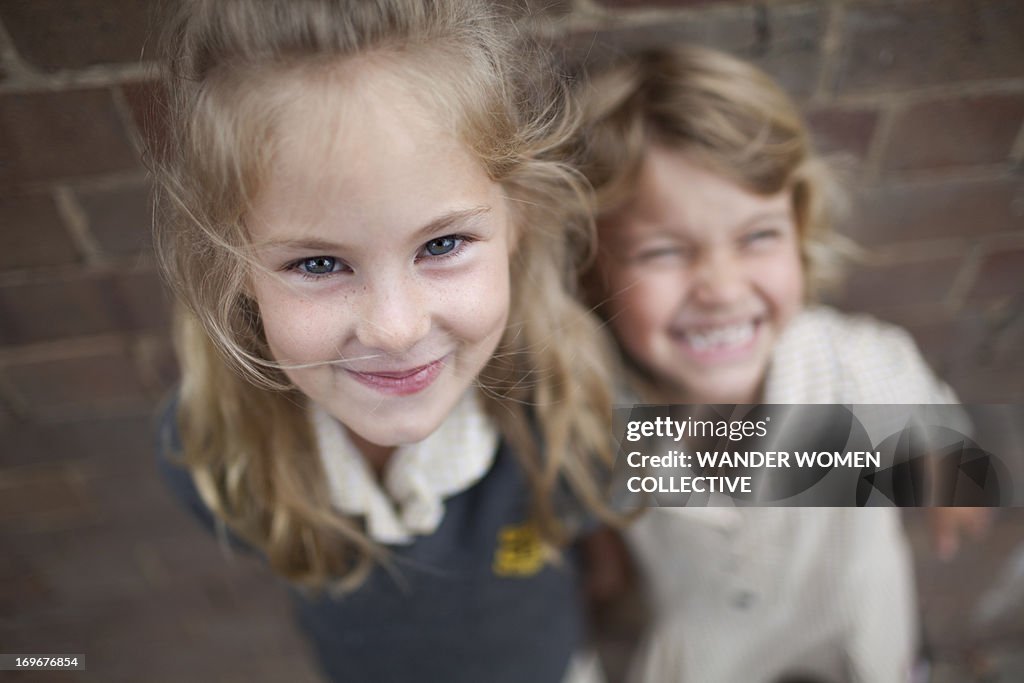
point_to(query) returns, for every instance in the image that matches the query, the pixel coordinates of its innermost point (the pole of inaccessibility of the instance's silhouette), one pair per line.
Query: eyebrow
(778, 214)
(439, 224)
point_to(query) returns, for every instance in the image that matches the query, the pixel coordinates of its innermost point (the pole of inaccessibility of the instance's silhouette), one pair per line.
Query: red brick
(789, 46)
(33, 233)
(159, 363)
(1000, 278)
(783, 40)
(79, 568)
(733, 32)
(81, 305)
(53, 135)
(119, 218)
(949, 209)
(967, 130)
(946, 343)
(71, 34)
(21, 587)
(890, 46)
(848, 131)
(87, 385)
(8, 425)
(114, 444)
(39, 498)
(988, 383)
(628, 4)
(146, 300)
(45, 311)
(876, 289)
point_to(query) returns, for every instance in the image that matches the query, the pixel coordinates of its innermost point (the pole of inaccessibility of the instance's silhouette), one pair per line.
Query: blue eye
(441, 245)
(318, 265)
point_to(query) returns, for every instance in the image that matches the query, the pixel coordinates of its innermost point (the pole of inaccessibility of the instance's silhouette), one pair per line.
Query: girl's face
(702, 277)
(386, 249)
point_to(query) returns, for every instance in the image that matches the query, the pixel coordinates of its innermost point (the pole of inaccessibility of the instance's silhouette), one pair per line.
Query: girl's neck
(377, 457)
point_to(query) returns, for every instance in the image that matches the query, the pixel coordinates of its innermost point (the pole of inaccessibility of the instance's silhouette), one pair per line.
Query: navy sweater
(477, 601)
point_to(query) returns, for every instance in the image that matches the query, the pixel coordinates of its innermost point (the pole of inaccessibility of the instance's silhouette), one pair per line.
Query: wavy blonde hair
(246, 436)
(726, 115)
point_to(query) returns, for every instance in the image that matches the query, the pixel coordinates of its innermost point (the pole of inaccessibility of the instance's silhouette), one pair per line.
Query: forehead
(674, 191)
(359, 150)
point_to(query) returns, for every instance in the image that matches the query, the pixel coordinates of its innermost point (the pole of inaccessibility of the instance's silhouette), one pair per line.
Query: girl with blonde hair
(387, 389)
(714, 235)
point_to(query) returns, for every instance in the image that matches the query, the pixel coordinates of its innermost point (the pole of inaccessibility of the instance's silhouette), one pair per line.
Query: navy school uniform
(478, 600)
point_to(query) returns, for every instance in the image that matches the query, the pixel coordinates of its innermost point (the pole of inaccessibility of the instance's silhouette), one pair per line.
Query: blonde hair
(246, 435)
(726, 115)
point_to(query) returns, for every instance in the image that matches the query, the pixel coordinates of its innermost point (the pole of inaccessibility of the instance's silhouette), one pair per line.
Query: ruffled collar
(418, 477)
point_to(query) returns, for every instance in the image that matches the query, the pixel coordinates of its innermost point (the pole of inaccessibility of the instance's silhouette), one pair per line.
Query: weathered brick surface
(50, 136)
(121, 444)
(1000, 279)
(933, 338)
(784, 40)
(70, 34)
(888, 46)
(80, 305)
(119, 218)
(629, 4)
(79, 386)
(40, 498)
(843, 130)
(99, 558)
(32, 233)
(42, 311)
(965, 209)
(147, 300)
(158, 363)
(869, 288)
(956, 131)
(789, 45)
(733, 31)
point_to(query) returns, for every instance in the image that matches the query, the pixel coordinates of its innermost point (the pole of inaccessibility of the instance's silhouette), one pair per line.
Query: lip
(401, 382)
(718, 355)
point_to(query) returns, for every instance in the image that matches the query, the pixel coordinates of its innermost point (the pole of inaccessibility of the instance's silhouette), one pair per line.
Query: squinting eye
(761, 235)
(441, 245)
(662, 253)
(319, 265)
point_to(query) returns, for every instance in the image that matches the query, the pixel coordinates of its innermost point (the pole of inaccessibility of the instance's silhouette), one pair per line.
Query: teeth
(721, 337)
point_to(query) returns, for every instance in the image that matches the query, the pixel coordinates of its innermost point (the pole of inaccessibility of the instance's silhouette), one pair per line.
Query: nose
(718, 279)
(395, 315)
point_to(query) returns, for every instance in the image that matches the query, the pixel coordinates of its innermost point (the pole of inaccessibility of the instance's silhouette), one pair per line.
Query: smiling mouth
(722, 342)
(401, 382)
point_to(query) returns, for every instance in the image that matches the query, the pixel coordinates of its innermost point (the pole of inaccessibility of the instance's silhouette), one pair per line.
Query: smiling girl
(714, 235)
(388, 390)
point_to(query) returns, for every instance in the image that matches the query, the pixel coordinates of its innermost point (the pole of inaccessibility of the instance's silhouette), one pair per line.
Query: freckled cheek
(299, 330)
(474, 307)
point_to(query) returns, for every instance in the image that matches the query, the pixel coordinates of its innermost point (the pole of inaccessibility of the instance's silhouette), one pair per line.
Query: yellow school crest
(520, 551)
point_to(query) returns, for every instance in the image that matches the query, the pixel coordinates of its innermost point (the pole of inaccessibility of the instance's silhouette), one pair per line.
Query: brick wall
(83, 317)
(925, 98)
(921, 104)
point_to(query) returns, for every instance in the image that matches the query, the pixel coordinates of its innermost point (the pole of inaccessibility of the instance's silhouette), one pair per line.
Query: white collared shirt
(418, 477)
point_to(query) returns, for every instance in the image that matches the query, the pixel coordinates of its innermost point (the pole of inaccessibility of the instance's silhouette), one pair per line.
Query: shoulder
(878, 362)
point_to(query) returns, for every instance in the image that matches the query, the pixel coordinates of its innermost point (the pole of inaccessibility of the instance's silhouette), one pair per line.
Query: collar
(418, 477)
